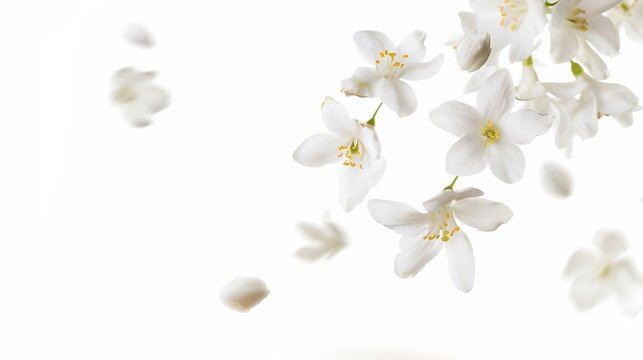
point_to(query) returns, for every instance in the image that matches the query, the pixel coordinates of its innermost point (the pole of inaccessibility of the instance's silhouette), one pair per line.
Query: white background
(115, 241)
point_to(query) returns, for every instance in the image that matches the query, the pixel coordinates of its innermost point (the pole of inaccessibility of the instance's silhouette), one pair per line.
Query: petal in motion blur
(557, 179)
(244, 293)
(326, 240)
(137, 97)
(139, 35)
(596, 277)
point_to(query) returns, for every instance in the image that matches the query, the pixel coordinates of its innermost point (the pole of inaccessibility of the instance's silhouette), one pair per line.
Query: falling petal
(244, 293)
(138, 35)
(556, 179)
(328, 239)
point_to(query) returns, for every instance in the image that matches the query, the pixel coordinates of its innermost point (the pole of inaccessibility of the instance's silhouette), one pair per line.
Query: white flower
(328, 239)
(136, 97)
(489, 134)
(629, 15)
(576, 21)
(391, 64)
(511, 22)
(424, 234)
(354, 145)
(596, 278)
(244, 293)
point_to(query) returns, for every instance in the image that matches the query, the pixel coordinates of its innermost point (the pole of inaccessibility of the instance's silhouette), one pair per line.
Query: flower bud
(244, 293)
(473, 51)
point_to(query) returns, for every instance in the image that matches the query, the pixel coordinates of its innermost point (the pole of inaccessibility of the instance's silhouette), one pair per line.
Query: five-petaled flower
(354, 145)
(391, 64)
(136, 97)
(596, 278)
(489, 134)
(424, 234)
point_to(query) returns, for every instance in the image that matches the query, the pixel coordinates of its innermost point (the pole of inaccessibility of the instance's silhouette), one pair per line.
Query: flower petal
(467, 21)
(586, 292)
(455, 117)
(496, 97)
(566, 90)
(373, 171)
(447, 196)
(529, 87)
(422, 71)
(581, 263)
(564, 44)
(462, 266)
(603, 35)
(596, 7)
(612, 243)
(371, 43)
(506, 161)
(362, 83)
(473, 51)
(318, 150)
(585, 117)
(413, 46)
(414, 254)
(337, 120)
(397, 216)
(592, 62)
(353, 187)
(466, 156)
(613, 98)
(244, 293)
(556, 179)
(482, 214)
(397, 95)
(523, 126)
(628, 289)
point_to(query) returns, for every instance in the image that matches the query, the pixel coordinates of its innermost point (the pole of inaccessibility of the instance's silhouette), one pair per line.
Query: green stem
(550, 4)
(371, 121)
(450, 187)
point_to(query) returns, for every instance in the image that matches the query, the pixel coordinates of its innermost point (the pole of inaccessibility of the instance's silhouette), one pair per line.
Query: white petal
(478, 78)
(414, 254)
(139, 35)
(523, 126)
(353, 187)
(592, 62)
(373, 171)
(154, 97)
(447, 196)
(581, 263)
(371, 43)
(311, 231)
(556, 179)
(496, 97)
(593, 8)
(318, 150)
(628, 290)
(506, 161)
(612, 243)
(466, 156)
(422, 71)
(566, 90)
(467, 21)
(482, 214)
(529, 87)
(613, 98)
(337, 120)
(564, 44)
(244, 293)
(413, 46)
(462, 266)
(455, 117)
(523, 44)
(397, 95)
(362, 83)
(585, 118)
(396, 216)
(625, 119)
(586, 292)
(565, 131)
(603, 35)
(634, 29)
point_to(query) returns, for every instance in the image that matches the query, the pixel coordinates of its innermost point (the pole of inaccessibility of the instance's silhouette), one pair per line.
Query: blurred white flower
(629, 15)
(391, 64)
(137, 97)
(489, 134)
(354, 145)
(556, 179)
(597, 277)
(424, 234)
(244, 293)
(328, 239)
(139, 35)
(577, 21)
(511, 22)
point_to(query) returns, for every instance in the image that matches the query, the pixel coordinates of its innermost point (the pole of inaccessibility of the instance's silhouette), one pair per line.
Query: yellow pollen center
(491, 133)
(578, 20)
(389, 64)
(446, 228)
(511, 13)
(353, 154)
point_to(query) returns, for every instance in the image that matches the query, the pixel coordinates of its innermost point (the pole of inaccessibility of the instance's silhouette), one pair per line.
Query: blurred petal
(244, 293)
(612, 243)
(582, 262)
(139, 35)
(586, 291)
(556, 179)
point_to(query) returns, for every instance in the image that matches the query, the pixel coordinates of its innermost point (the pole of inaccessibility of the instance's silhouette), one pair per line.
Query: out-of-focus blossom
(556, 179)
(354, 145)
(489, 134)
(137, 97)
(244, 293)
(327, 240)
(424, 234)
(596, 277)
(139, 35)
(391, 64)
(629, 16)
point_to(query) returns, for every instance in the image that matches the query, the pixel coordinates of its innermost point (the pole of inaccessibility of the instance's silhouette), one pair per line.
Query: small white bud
(473, 51)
